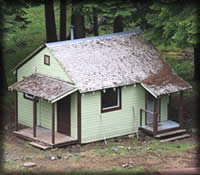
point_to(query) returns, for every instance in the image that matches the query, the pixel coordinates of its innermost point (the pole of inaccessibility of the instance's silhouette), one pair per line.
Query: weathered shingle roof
(43, 87)
(114, 60)
(107, 61)
(165, 81)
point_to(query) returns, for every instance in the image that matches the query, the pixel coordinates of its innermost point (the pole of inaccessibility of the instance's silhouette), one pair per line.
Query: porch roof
(44, 87)
(166, 81)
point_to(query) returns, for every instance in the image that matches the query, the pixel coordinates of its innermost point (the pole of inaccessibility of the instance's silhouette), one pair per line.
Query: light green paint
(44, 112)
(96, 125)
(74, 115)
(164, 107)
(25, 107)
(25, 110)
(54, 70)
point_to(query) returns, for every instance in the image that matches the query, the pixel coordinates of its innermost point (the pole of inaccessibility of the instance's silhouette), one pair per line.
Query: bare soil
(141, 154)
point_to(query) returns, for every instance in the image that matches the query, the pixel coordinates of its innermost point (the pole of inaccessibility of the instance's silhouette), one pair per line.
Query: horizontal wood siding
(97, 125)
(44, 117)
(54, 69)
(25, 110)
(74, 128)
(164, 107)
(25, 107)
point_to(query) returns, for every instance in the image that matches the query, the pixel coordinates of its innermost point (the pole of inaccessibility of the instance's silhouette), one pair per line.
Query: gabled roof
(107, 61)
(44, 87)
(114, 60)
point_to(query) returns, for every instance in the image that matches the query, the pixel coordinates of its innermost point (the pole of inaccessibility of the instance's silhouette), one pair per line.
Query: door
(63, 116)
(150, 107)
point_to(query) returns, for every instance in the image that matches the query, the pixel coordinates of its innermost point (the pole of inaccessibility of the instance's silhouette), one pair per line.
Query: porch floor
(169, 124)
(44, 135)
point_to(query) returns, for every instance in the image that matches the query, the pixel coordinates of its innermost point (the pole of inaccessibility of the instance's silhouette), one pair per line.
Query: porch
(55, 128)
(168, 130)
(44, 137)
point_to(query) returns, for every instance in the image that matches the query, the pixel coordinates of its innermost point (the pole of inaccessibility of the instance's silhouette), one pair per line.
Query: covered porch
(45, 137)
(155, 126)
(40, 87)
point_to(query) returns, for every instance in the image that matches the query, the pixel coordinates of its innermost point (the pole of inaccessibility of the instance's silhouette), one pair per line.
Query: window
(111, 99)
(46, 59)
(28, 96)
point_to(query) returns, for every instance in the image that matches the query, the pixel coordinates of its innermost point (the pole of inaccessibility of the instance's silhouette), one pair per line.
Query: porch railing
(155, 120)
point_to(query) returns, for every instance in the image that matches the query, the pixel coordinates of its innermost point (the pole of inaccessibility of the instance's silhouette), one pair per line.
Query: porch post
(53, 123)
(34, 116)
(155, 119)
(16, 111)
(181, 109)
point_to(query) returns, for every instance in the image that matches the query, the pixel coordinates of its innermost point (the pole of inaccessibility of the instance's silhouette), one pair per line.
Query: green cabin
(92, 89)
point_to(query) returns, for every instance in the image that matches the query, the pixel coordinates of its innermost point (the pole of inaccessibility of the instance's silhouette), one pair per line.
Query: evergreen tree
(174, 23)
(63, 20)
(51, 35)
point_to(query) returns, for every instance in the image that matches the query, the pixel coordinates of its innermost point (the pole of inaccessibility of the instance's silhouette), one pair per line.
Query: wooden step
(175, 138)
(39, 145)
(171, 133)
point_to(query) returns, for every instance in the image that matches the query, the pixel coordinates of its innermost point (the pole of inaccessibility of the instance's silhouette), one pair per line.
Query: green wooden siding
(25, 107)
(44, 115)
(74, 115)
(164, 107)
(53, 70)
(25, 111)
(97, 125)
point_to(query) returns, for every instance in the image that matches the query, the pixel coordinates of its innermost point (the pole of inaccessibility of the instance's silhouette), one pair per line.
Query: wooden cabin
(91, 89)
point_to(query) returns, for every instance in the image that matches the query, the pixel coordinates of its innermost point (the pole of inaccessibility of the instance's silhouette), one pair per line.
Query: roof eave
(145, 87)
(28, 57)
(64, 95)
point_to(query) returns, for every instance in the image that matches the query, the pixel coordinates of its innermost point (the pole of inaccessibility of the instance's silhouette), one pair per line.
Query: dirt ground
(120, 154)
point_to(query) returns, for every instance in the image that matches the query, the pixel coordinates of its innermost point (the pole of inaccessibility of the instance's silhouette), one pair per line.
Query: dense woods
(165, 23)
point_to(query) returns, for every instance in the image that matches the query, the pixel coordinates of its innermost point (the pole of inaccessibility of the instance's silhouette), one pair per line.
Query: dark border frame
(114, 108)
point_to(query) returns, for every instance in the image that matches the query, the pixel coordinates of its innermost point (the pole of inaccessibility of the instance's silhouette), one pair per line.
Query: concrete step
(175, 138)
(39, 145)
(171, 133)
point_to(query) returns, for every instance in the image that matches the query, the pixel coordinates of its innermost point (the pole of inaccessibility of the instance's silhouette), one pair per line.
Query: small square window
(28, 96)
(111, 100)
(47, 59)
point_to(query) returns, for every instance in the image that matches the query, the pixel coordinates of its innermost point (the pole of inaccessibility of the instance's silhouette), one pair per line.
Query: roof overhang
(44, 87)
(146, 87)
(35, 52)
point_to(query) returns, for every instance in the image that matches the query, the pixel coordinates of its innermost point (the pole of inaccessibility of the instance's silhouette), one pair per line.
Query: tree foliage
(173, 23)
(14, 15)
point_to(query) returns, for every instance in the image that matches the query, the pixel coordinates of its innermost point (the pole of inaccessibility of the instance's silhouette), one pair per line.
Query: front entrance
(63, 113)
(150, 107)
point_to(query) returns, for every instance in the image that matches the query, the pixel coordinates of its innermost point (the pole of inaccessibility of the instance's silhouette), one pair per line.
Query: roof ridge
(92, 38)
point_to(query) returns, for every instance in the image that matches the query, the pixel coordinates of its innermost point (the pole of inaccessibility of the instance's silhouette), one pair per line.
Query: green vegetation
(34, 36)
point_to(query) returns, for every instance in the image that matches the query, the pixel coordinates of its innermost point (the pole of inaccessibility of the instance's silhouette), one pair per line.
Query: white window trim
(118, 101)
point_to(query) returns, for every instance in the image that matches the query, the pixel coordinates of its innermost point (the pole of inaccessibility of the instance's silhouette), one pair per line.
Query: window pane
(110, 98)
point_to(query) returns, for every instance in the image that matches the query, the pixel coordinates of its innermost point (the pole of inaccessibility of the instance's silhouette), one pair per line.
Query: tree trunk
(51, 35)
(63, 20)
(118, 24)
(77, 20)
(95, 21)
(197, 63)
